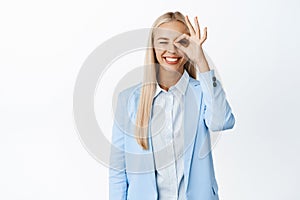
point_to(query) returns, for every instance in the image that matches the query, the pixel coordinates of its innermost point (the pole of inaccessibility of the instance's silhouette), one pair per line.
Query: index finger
(183, 40)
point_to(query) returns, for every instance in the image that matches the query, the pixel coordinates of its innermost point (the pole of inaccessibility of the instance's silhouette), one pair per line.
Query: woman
(161, 125)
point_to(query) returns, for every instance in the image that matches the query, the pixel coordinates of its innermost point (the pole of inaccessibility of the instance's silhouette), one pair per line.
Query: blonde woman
(162, 125)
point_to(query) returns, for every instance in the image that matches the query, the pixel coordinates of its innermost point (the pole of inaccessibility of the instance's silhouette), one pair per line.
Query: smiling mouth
(172, 60)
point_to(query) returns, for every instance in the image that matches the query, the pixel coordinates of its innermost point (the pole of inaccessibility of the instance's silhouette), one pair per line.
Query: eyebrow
(162, 38)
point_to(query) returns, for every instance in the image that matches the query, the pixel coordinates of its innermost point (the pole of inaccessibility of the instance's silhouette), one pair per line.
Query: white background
(254, 44)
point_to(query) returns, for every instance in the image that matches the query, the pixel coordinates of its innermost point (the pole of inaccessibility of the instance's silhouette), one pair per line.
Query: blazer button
(215, 84)
(214, 78)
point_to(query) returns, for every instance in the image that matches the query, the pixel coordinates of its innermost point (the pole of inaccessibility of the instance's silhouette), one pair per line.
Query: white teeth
(171, 59)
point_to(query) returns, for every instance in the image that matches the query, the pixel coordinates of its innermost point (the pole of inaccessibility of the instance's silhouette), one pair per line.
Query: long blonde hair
(149, 80)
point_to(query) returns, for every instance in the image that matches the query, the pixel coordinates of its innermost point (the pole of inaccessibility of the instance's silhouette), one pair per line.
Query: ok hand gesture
(192, 46)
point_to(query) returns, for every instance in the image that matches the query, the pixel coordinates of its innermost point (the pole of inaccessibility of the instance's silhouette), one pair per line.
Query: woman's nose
(172, 48)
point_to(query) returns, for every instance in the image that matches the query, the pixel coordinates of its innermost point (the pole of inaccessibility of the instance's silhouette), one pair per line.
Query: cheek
(158, 54)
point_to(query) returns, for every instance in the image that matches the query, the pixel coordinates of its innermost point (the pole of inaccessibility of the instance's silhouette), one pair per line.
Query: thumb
(179, 46)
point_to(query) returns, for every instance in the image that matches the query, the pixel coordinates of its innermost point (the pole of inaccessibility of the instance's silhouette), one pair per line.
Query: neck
(166, 78)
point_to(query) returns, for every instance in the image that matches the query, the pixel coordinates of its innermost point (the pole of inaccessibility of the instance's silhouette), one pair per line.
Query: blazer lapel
(139, 161)
(191, 115)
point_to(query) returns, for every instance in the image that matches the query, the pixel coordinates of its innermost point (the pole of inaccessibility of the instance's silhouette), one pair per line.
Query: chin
(174, 68)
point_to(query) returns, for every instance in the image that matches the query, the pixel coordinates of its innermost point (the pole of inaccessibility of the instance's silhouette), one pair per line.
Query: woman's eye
(163, 43)
(184, 41)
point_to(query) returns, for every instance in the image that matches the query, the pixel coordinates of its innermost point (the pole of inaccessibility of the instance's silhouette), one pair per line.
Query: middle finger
(198, 33)
(192, 31)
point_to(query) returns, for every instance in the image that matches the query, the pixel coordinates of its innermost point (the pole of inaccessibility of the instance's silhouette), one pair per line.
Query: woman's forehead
(170, 29)
(166, 33)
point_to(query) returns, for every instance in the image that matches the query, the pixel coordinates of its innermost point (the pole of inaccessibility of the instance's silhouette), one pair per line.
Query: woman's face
(167, 54)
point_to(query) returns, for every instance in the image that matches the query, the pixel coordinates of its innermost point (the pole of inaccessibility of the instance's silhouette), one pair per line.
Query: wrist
(202, 66)
(201, 62)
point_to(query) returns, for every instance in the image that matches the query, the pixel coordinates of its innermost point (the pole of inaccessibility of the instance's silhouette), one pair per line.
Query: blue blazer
(132, 169)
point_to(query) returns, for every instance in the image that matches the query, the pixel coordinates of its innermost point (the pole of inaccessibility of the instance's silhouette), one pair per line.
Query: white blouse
(168, 139)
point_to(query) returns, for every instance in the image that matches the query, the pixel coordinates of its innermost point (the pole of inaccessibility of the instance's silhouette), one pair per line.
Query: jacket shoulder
(132, 90)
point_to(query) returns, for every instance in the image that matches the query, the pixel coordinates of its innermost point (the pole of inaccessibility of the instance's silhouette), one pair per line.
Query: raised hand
(192, 45)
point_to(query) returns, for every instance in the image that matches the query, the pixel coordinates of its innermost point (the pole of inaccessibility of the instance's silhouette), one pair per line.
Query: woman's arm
(118, 183)
(218, 115)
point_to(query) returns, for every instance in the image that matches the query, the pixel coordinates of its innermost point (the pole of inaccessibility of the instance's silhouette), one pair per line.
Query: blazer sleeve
(218, 114)
(118, 182)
